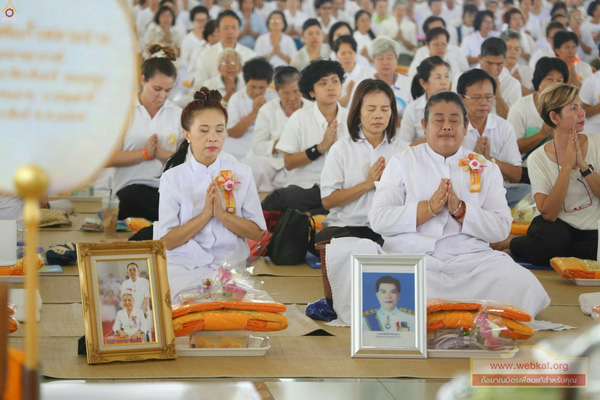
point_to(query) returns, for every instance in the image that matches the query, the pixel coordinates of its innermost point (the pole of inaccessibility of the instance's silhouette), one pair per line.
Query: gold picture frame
(133, 323)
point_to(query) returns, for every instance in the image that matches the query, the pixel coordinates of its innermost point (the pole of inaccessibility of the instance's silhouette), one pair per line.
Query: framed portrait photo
(389, 306)
(126, 301)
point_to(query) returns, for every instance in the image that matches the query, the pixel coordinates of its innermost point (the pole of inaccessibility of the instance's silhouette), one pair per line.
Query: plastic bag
(524, 211)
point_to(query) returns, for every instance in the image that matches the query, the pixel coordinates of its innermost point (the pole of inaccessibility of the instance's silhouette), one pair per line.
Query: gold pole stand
(31, 183)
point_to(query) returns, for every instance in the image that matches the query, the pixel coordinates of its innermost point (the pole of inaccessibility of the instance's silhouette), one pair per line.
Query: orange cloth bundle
(519, 229)
(465, 319)
(14, 389)
(502, 310)
(576, 268)
(228, 315)
(135, 224)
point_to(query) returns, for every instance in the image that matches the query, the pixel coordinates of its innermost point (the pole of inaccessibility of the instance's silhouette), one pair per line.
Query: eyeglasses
(488, 97)
(438, 44)
(586, 203)
(230, 63)
(276, 20)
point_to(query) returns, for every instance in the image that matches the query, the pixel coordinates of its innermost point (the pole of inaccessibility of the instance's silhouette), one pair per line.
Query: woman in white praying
(433, 76)
(441, 200)
(200, 233)
(130, 322)
(162, 31)
(345, 48)
(277, 47)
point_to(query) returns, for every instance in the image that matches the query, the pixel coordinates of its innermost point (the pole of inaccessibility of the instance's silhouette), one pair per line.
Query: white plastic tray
(587, 282)
(257, 346)
(467, 353)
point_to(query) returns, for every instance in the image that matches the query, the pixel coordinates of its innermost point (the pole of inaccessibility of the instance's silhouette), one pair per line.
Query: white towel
(587, 301)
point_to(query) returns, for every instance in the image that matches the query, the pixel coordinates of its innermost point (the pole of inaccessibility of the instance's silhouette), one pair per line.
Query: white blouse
(263, 48)
(411, 129)
(130, 324)
(347, 164)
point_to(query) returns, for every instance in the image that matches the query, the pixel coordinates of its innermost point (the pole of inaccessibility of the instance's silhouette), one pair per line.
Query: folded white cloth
(548, 326)
(587, 301)
(17, 297)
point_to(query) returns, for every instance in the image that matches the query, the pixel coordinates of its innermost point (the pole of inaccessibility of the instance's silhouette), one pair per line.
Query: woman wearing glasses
(277, 47)
(564, 185)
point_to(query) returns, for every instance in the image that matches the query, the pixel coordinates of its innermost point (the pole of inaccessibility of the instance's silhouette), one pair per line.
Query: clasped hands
(444, 196)
(212, 204)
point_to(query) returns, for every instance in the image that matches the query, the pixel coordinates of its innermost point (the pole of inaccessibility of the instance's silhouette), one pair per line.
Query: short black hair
(592, 7)
(480, 16)
(470, 8)
(508, 15)
(445, 97)
(348, 39)
(257, 69)
(559, 5)
(544, 65)
(198, 10)
(161, 10)
(310, 23)
(132, 263)
(424, 71)
(285, 74)
(319, 3)
(334, 28)
(493, 47)
(554, 25)
(227, 13)
(471, 77)
(363, 88)
(555, 18)
(431, 1)
(317, 70)
(563, 37)
(281, 14)
(209, 29)
(435, 32)
(387, 279)
(430, 20)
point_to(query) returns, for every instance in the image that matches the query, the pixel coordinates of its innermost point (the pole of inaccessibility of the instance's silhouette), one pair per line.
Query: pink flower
(474, 164)
(228, 185)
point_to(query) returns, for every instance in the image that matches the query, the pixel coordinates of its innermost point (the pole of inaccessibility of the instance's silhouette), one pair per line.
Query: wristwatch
(493, 159)
(587, 171)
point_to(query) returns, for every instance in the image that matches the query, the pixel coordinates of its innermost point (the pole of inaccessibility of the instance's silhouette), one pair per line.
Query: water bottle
(20, 238)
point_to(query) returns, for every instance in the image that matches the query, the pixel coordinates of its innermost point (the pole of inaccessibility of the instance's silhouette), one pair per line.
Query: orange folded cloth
(14, 385)
(228, 320)
(519, 229)
(465, 319)
(576, 268)
(502, 310)
(227, 305)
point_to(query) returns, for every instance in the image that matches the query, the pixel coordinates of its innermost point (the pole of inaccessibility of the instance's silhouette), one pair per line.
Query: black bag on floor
(291, 239)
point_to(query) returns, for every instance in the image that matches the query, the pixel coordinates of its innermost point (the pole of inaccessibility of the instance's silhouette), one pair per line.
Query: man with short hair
(388, 317)
(138, 287)
(204, 65)
(543, 46)
(488, 134)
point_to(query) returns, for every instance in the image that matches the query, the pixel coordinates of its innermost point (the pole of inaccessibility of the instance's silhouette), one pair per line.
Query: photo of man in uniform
(388, 317)
(138, 286)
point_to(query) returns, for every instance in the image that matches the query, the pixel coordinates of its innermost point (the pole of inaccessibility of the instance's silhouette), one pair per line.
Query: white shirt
(357, 75)
(534, 27)
(401, 89)
(144, 17)
(471, 45)
(501, 138)
(205, 65)
(390, 27)
(411, 129)
(542, 51)
(296, 21)
(216, 83)
(392, 321)
(590, 95)
(140, 289)
(413, 176)
(269, 124)
(526, 74)
(325, 28)
(263, 48)
(362, 41)
(510, 88)
(423, 53)
(543, 174)
(525, 118)
(304, 129)
(167, 125)
(130, 324)
(182, 197)
(301, 59)
(587, 39)
(190, 43)
(347, 164)
(238, 107)
(155, 34)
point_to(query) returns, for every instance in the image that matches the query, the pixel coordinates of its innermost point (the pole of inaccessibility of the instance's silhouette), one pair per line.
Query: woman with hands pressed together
(209, 206)
(444, 201)
(152, 137)
(130, 322)
(564, 185)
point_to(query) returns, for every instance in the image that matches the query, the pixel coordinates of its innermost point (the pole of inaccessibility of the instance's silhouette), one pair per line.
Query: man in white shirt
(453, 52)
(244, 104)
(490, 135)
(401, 29)
(205, 65)
(138, 287)
(264, 159)
(543, 47)
(307, 136)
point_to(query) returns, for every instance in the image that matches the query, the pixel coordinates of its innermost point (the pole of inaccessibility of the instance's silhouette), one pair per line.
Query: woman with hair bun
(152, 137)
(209, 205)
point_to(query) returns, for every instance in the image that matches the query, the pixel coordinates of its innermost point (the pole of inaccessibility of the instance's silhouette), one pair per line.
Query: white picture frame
(387, 323)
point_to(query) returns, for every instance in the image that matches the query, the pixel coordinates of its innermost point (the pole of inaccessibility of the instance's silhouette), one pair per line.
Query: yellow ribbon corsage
(228, 182)
(474, 164)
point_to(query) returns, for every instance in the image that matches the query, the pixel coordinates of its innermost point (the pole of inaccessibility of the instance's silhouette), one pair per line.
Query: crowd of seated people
(315, 103)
